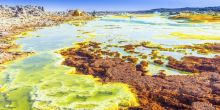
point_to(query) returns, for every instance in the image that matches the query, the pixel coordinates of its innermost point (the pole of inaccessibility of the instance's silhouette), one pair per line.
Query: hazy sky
(90, 5)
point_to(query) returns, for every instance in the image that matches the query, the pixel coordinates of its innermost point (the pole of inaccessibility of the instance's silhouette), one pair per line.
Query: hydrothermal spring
(40, 81)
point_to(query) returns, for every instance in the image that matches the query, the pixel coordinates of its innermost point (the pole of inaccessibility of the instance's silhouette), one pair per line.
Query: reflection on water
(41, 82)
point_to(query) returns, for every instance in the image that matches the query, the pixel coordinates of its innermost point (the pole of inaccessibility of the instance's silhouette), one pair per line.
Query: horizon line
(46, 8)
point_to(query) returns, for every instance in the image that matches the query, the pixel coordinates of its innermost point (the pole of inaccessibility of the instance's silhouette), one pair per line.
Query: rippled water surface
(41, 82)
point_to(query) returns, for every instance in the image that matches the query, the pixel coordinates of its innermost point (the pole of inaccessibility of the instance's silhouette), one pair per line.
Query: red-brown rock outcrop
(200, 92)
(196, 64)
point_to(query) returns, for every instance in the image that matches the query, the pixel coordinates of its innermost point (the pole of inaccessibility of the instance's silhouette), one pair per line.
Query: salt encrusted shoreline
(17, 19)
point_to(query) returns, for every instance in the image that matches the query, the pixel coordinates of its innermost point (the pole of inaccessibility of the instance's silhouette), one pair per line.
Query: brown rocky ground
(10, 56)
(196, 92)
(196, 64)
(202, 48)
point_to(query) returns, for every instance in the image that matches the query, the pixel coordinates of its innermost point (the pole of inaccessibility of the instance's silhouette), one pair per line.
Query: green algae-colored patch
(39, 82)
(19, 99)
(100, 96)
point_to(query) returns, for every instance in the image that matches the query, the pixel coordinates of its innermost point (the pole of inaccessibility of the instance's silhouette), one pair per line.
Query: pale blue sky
(110, 5)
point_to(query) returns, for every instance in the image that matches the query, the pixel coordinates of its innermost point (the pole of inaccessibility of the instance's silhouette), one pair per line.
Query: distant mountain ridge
(164, 10)
(194, 9)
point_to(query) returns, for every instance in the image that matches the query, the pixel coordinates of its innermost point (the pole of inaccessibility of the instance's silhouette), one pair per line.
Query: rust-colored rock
(132, 59)
(202, 106)
(202, 48)
(129, 48)
(196, 64)
(198, 92)
(143, 66)
(162, 74)
(158, 62)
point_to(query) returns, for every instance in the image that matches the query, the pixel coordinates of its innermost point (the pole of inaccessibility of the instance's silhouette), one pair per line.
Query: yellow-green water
(40, 82)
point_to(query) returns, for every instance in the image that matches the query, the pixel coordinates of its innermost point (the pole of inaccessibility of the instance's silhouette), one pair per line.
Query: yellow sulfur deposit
(194, 36)
(2, 89)
(198, 17)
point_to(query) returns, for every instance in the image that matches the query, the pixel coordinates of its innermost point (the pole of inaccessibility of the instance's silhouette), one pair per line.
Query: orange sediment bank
(158, 92)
